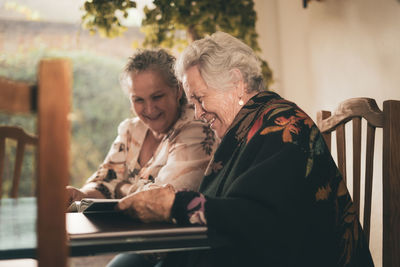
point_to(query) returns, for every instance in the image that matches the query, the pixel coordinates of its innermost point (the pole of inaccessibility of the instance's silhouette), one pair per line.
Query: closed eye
(158, 97)
(137, 100)
(197, 99)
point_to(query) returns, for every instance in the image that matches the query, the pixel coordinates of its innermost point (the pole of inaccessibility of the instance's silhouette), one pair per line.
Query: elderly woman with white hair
(272, 187)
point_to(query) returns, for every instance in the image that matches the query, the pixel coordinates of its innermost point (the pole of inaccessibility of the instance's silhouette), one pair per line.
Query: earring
(241, 102)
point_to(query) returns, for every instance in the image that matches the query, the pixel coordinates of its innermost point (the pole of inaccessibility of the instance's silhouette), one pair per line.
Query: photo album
(94, 205)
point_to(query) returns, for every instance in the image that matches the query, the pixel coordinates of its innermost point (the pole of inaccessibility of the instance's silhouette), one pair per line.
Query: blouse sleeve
(189, 152)
(112, 173)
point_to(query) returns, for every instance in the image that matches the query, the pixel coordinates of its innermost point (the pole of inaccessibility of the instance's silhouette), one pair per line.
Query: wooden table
(18, 235)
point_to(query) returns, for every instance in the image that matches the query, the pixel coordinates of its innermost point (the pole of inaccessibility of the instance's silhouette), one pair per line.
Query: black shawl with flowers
(274, 190)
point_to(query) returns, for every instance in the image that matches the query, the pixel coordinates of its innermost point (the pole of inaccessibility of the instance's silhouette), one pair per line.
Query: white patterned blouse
(180, 159)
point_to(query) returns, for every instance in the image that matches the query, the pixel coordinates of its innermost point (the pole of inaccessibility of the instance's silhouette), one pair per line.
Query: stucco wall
(331, 51)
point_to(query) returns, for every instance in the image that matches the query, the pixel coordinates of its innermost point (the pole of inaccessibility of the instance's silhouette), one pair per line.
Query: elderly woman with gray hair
(271, 188)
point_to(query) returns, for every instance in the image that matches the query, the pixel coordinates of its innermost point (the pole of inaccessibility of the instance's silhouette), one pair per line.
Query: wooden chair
(50, 99)
(356, 109)
(22, 139)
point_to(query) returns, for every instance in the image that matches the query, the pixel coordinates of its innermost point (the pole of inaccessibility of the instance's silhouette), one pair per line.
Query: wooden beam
(391, 183)
(322, 115)
(54, 101)
(16, 97)
(354, 107)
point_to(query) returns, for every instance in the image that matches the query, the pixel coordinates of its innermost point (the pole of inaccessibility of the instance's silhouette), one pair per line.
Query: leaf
(256, 126)
(323, 193)
(283, 108)
(342, 189)
(307, 120)
(293, 129)
(287, 136)
(282, 121)
(271, 129)
(309, 166)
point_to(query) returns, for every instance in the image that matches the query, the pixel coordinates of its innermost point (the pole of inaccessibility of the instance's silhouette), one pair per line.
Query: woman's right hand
(152, 205)
(74, 194)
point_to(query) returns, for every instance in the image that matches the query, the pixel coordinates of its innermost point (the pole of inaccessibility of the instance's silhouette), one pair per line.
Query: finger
(132, 213)
(69, 201)
(126, 202)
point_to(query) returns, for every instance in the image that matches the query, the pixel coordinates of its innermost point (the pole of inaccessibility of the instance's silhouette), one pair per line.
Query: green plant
(105, 16)
(174, 24)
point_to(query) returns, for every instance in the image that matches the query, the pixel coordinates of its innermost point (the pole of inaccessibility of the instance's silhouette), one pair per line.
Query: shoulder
(283, 118)
(190, 131)
(187, 116)
(189, 126)
(130, 125)
(278, 108)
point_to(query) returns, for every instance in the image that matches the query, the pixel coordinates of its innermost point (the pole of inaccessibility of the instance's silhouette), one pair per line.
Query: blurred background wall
(331, 51)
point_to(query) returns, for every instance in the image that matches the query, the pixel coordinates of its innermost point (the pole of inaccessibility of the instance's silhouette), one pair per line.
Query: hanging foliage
(174, 24)
(104, 16)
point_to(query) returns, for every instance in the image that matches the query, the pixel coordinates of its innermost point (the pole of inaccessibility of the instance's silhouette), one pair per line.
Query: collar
(249, 113)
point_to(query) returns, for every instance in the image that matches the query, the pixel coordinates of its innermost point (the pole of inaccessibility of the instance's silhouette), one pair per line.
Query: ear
(240, 85)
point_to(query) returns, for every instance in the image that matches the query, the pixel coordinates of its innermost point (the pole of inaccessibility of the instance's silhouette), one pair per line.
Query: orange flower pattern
(288, 125)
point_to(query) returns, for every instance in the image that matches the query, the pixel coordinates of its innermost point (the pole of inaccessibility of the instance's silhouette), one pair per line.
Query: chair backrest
(50, 99)
(22, 138)
(355, 110)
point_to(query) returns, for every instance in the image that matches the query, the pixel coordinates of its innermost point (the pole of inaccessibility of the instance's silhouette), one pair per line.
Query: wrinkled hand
(153, 205)
(74, 194)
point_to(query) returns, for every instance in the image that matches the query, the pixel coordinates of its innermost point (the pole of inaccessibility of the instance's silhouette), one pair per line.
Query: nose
(149, 107)
(199, 111)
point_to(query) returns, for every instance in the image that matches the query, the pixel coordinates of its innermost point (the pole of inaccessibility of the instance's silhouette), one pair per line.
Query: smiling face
(153, 101)
(216, 107)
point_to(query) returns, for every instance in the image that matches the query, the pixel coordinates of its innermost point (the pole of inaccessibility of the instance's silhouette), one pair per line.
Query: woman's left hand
(153, 205)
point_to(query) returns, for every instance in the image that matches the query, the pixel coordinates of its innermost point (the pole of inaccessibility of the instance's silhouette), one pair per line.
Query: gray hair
(216, 57)
(155, 60)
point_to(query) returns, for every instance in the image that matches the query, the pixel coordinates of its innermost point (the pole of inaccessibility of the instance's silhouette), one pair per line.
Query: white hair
(217, 56)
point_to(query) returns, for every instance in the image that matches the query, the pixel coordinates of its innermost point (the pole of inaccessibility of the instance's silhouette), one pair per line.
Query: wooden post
(54, 97)
(391, 183)
(322, 115)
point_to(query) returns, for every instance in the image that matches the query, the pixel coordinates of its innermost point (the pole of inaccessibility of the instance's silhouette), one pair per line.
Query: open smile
(153, 118)
(210, 120)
